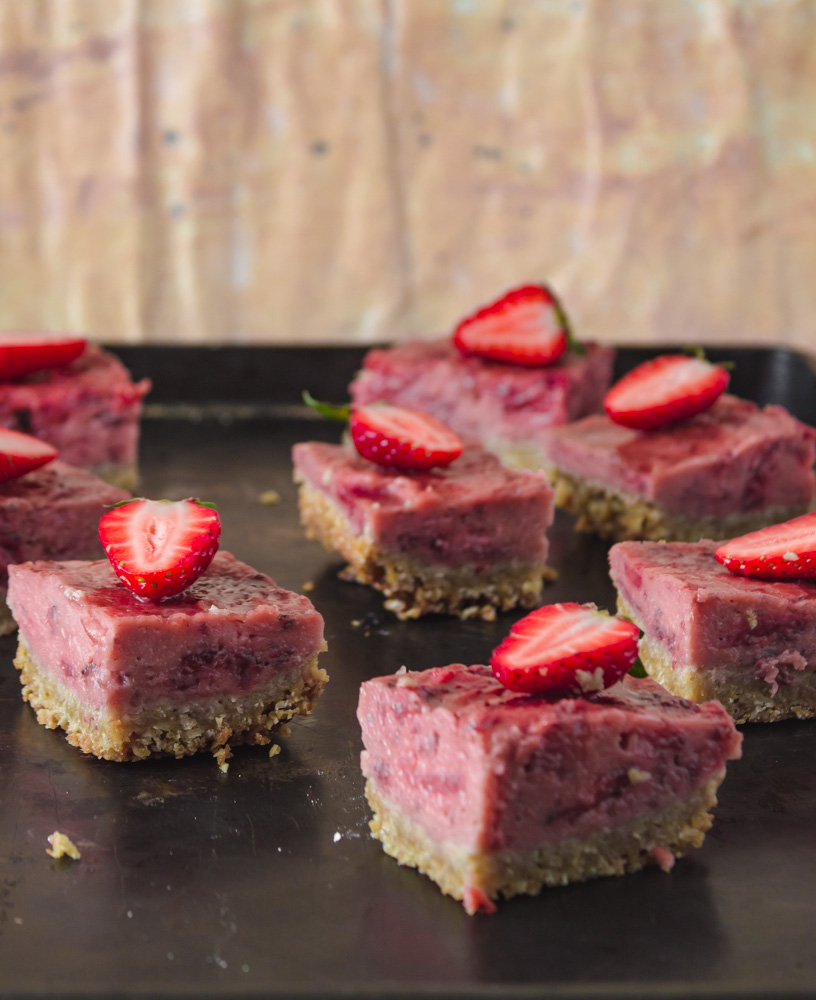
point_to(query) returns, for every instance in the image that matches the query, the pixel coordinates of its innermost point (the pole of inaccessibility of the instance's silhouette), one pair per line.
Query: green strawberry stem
(696, 351)
(331, 411)
(124, 503)
(573, 344)
(637, 669)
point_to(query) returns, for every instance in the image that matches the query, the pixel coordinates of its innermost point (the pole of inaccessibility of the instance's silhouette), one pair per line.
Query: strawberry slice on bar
(399, 438)
(664, 391)
(159, 547)
(784, 551)
(24, 353)
(22, 453)
(526, 326)
(565, 649)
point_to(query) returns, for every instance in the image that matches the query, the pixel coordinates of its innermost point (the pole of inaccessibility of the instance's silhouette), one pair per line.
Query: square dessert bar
(50, 513)
(88, 410)
(708, 633)
(490, 793)
(727, 471)
(126, 678)
(464, 539)
(501, 405)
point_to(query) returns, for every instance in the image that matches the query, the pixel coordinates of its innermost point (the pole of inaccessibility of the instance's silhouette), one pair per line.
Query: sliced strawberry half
(159, 547)
(784, 551)
(526, 326)
(662, 391)
(565, 649)
(24, 353)
(21, 453)
(402, 439)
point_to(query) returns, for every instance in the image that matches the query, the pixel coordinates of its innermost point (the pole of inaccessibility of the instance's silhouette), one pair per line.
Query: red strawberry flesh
(24, 353)
(565, 649)
(398, 438)
(158, 547)
(665, 390)
(21, 453)
(526, 326)
(784, 551)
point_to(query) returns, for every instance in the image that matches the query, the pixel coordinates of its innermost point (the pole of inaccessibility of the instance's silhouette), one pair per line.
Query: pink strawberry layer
(230, 632)
(89, 409)
(483, 769)
(711, 619)
(52, 513)
(735, 457)
(480, 398)
(471, 512)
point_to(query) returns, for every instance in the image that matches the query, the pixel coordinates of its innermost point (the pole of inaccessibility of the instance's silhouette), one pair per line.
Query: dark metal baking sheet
(264, 882)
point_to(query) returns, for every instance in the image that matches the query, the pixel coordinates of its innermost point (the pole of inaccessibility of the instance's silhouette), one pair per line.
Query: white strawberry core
(536, 322)
(24, 445)
(17, 338)
(788, 540)
(681, 378)
(156, 528)
(414, 428)
(561, 638)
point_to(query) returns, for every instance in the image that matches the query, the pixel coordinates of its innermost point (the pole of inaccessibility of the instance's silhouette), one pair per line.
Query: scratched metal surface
(264, 882)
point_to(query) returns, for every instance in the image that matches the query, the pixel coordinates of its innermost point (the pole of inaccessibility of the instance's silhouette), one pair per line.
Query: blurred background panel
(363, 170)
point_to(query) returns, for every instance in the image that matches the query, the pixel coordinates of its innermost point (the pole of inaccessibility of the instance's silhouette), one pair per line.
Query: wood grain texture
(363, 170)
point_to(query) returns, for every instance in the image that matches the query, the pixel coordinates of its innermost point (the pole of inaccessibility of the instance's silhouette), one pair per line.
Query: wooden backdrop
(360, 170)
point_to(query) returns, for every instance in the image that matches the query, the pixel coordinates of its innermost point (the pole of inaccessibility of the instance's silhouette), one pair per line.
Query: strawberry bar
(491, 792)
(89, 410)
(464, 539)
(726, 471)
(749, 643)
(50, 513)
(127, 678)
(504, 406)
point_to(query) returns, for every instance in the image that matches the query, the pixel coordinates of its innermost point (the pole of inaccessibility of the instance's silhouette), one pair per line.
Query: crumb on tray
(62, 847)
(222, 755)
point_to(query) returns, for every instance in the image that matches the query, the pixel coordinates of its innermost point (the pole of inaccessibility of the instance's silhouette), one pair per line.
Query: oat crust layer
(649, 840)
(171, 729)
(623, 517)
(126, 477)
(745, 698)
(413, 588)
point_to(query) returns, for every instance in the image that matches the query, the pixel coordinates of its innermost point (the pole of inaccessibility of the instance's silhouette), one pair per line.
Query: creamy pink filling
(483, 769)
(732, 458)
(89, 410)
(52, 513)
(485, 399)
(229, 633)
(713, 619)
(472, 512)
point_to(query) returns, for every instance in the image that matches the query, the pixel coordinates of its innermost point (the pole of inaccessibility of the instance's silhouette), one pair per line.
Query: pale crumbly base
(415, 588)
(743, 696)
(655, 839)
(125, 477)
(623, 516)
(519, 455)
(174, 728)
